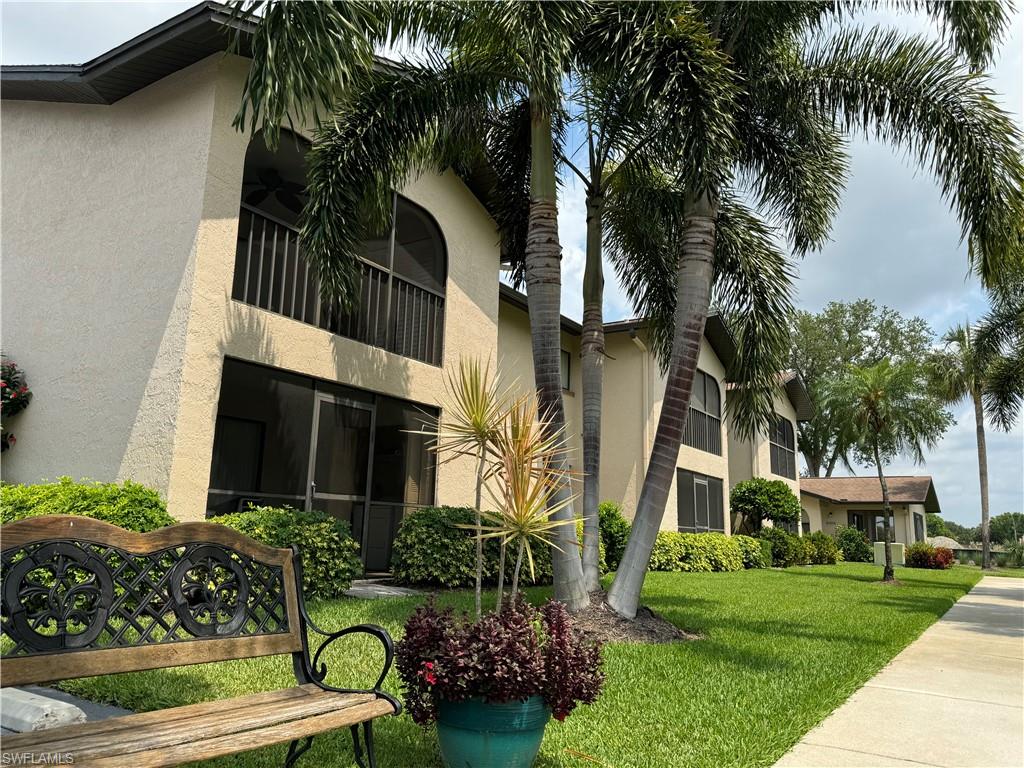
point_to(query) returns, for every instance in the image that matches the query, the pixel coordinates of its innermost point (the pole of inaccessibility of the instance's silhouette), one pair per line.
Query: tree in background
(893, 412)
(824, 345)
(1007, 527)
(936, 526)
(962, 533)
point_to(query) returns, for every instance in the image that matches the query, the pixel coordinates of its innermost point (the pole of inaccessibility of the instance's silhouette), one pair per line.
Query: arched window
(704, 421)
(783, 448)
(404, 269)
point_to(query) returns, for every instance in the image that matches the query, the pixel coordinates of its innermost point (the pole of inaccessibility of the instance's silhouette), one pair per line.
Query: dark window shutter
(684, 500)
(716, 512)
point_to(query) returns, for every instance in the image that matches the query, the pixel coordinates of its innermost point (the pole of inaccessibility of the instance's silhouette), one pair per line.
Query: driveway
(953, 697)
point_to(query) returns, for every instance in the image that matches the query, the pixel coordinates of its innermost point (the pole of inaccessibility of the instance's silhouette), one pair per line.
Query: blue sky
(894, 240)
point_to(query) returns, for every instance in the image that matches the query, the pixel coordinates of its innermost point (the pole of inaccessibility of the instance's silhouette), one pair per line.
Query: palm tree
(489, 62)
(894, 412)
(903, 89)
(967, 369)
(1000, 336)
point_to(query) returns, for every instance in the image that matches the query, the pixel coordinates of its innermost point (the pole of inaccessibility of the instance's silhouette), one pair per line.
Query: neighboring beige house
(834, 502)
(155, 292)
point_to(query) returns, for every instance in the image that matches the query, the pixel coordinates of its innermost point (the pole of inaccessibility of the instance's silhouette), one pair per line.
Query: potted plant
(491, 683)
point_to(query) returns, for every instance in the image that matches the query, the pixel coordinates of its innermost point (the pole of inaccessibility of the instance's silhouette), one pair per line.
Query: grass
(780, 650)
(1013, 572)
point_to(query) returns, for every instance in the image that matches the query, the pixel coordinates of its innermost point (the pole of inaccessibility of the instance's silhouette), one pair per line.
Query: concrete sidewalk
(953, 697)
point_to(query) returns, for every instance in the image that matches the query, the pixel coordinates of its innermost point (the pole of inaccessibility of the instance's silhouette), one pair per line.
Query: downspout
(646, 403)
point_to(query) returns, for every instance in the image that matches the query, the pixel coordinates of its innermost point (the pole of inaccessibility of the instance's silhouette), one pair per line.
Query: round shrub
(752, 552)
(128, 505)
(787, 549)
(854, 545)
(433, 548)
(759, 499)
(330, 556)
(614, 532)
(823, 548)
(923, 555)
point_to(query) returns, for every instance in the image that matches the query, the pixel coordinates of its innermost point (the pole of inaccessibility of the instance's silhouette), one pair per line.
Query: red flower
(560, 716)
(431, 678)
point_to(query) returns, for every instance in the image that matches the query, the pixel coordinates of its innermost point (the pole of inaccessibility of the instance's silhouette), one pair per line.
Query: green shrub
(752, 551)
(766, 552)
(695, 552)
(824, 549)
(921, 554)
(330, 557)
(854, 545)
(787, 549)
(759, 499)
(614, 532)
(128, 505)
(431, 549)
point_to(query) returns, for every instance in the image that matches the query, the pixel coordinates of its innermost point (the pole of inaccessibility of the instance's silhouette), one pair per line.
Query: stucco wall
(101, 207)
(120, 227)
(751, 457)
(828, 516)
(220, 326)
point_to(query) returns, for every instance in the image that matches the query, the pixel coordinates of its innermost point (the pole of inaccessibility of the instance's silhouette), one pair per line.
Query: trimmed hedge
(823, 549)
(752, 551)
(431, 549)
(854, 545)
(615, 530)
(759, 499)
(703, 552)
(128, 505)
(787, 549)
(330, 556)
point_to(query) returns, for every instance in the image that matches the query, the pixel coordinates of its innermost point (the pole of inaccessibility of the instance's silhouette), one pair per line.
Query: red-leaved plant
(511, 655)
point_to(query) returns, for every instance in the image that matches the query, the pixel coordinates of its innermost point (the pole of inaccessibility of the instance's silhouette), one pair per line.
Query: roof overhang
(798, 395)
(930, 500)
(716, 332)
(179, 42)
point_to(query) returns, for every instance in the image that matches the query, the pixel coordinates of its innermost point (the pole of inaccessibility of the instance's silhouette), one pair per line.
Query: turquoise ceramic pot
(480, 734)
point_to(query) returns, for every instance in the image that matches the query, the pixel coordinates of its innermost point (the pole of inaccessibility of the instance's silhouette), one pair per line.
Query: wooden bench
(82, 597)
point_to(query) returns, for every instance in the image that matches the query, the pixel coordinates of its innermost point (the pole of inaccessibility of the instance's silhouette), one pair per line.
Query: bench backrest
(82, 597)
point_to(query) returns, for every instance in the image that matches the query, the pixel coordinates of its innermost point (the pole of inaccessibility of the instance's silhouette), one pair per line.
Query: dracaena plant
(473, 410)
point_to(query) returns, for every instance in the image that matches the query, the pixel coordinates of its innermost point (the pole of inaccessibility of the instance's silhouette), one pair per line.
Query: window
(402, 272)
(566, 371)
(704, 421)
(699, 502)
(783, 448)
(919, 527)
(871, 522)
(856, 520)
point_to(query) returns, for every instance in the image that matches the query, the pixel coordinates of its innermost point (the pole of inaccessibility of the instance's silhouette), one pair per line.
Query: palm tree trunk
(592, 354)
(543, 258)
(979, 428)
(888, 574)
(479, 532)
(693, 296)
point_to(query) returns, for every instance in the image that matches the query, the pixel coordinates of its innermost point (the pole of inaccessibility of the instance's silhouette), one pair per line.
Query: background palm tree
(894, 413)
(1000, 335)
(967, 369)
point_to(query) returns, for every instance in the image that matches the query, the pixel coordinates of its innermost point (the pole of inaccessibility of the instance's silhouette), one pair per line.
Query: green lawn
(780, 650)
(1008, 571)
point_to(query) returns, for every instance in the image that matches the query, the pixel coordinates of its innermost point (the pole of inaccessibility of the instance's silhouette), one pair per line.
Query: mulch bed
(602, 623)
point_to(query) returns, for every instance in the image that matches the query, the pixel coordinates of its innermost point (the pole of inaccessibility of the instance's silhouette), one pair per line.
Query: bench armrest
(316, 670)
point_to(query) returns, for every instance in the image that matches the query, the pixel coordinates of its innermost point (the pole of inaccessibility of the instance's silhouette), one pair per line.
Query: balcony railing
(392, 313)
(703, 432)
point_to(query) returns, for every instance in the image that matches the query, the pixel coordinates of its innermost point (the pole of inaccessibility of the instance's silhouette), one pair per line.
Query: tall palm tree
(1000, 335)
(967, 369)
(905, 90)
(894, 412)
(487, 60)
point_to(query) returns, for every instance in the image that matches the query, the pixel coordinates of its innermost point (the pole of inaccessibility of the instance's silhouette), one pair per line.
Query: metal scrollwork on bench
(64, 595)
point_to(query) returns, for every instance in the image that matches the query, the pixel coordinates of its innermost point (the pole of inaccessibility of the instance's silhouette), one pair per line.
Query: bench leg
(296, 750)
(371, 757)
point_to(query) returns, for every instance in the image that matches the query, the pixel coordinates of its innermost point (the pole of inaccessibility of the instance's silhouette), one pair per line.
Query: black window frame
(703, 427)
(687, 484)
(782, 447)
(565, 359)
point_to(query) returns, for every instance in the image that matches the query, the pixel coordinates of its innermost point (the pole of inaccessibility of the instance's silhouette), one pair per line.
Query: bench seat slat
(145, 742)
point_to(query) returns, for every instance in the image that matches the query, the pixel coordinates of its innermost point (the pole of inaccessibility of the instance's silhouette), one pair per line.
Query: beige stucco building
(155, 292)
(833, 502)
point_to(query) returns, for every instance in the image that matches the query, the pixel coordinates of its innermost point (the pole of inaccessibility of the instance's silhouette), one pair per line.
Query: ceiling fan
(270, 183)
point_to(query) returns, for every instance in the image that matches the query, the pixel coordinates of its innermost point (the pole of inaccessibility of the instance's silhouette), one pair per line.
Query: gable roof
(180, 41)
(903, 489)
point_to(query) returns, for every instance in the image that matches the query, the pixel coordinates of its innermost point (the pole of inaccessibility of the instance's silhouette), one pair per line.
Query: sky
(894, 240)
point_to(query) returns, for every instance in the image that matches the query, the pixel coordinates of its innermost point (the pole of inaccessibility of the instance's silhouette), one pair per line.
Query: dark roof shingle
(903, 489)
